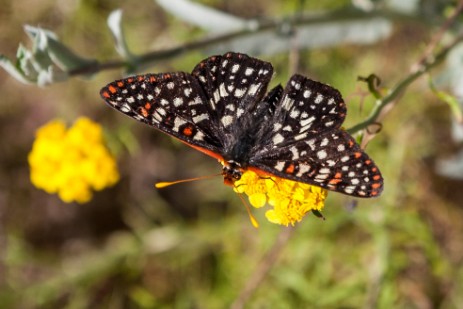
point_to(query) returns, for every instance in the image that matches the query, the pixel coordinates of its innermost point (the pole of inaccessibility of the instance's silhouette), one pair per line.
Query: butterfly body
(222, 109)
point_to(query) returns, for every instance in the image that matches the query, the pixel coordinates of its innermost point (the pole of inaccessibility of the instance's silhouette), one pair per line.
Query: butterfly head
(231, 172)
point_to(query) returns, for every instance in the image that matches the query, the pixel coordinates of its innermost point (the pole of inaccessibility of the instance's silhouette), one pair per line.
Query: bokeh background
(192, 245)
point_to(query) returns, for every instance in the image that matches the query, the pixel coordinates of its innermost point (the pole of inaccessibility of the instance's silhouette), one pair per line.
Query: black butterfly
(223, 109)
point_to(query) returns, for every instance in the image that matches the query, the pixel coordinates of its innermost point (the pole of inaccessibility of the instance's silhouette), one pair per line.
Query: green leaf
(49, 50)
(13, 70)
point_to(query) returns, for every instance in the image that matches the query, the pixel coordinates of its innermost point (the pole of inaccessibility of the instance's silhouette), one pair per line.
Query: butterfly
(223, 109)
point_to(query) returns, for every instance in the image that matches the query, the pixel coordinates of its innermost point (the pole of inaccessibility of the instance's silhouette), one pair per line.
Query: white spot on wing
(278, 138)
(177, 123)
(239, 112)
(322, 154)
(280, 166)
(253, 89)
(311, 143)
(295, 153)
(125, 108)
(199, 136)
(300, 136)
(319, 98)
(303, 168)
(235, 68)
(223, 91)
(240, 92)
(287, 103)
(324, 170)
(178, 101)
(349, 189)
(277, 126)
(294, 113)
(201, 117)
(227, 120)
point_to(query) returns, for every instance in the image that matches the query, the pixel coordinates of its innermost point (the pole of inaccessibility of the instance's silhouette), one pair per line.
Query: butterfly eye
(237, 174)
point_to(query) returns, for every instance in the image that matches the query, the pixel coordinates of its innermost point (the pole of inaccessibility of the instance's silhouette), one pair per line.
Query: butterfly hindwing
(332, 160)
(306, 108)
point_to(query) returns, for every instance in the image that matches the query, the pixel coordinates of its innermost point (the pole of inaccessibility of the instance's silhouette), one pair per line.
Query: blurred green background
(192, 245)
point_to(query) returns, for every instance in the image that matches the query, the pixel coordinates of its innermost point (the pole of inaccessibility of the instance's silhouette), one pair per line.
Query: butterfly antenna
(251, 216)
(161, 185)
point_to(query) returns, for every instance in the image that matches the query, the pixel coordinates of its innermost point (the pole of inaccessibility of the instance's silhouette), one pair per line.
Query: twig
(438, 36)
(262, 270)
(256, 26)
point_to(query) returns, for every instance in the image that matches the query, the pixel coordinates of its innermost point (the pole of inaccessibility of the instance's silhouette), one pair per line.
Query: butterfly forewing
(171, 102)
(233, 83)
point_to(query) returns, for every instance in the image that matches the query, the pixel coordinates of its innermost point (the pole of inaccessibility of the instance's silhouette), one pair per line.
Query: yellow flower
(290, 200)
(73, 162)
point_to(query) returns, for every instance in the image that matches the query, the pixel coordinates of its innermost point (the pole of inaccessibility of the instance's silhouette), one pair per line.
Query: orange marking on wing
(140, 78)
(152, 79)
(373, 193)
(167, 75)
(351, 143)
(376, 185)
(334, 181)
(374, 169)
(290, 169)
(120, 84)
(357, 155)
(144, 112)
(188, 131)
(130, 80)
(338, 175)
(367, 162)
(148, 105)
(106, 94)
(376, 177)
(112, 89)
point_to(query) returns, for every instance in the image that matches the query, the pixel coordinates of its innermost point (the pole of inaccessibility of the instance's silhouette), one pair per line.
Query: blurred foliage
(192, 245)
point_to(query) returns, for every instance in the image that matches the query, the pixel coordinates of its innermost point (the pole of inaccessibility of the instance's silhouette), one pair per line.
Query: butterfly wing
(305, 142)
(173, 103)
(233, 83)
(202, 109)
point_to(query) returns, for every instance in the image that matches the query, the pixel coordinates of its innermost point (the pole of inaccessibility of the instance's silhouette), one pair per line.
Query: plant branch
(428, 63)
(255, 26)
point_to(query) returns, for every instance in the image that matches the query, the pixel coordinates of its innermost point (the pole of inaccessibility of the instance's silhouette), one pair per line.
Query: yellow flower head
(290, 200)
(71, 162)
